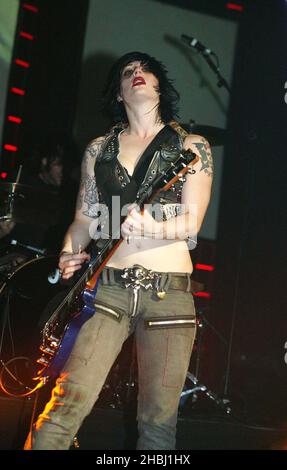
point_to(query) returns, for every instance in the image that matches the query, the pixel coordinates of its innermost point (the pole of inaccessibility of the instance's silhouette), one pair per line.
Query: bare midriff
(158, 255)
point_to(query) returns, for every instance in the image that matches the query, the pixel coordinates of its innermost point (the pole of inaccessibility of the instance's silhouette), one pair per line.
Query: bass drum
(24, 297)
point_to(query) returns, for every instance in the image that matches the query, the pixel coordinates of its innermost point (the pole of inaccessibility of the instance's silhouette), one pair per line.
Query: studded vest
(113, 179)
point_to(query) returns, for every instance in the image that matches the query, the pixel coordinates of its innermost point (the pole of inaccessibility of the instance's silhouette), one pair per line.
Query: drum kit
(22, 203)
(24, 272)
(22, 206)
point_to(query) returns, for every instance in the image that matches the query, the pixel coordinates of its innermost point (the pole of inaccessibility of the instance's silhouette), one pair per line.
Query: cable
(39, 385)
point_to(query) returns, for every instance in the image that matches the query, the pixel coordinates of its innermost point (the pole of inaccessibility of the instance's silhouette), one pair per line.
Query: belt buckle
(138, 276)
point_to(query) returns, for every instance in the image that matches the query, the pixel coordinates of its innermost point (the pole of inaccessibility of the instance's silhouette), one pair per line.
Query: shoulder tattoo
(204, 151)
(94, 148)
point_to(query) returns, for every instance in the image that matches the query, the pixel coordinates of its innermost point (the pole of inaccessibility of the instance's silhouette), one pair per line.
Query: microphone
(196, 44)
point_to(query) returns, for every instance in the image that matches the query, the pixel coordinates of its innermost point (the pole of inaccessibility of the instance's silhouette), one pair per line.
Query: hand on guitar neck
(69, 263)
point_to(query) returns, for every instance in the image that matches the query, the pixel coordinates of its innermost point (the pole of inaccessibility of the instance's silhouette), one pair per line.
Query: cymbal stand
(11, 197)
(223, 403)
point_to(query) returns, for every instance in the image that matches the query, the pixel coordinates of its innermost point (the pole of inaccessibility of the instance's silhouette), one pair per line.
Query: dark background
(250, 285)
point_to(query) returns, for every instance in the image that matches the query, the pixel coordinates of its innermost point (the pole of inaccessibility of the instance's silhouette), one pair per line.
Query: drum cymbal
(28, 204)
(216, 136)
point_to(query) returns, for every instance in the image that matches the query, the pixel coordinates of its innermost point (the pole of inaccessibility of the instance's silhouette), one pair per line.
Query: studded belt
(138, 277)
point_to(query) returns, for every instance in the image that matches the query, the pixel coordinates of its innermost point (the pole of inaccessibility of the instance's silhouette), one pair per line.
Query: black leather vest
(113, 180)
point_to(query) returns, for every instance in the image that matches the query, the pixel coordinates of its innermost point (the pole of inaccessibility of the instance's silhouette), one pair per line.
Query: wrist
(65, 252)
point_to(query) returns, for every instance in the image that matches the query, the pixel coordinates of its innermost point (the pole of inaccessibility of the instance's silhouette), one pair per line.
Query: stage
(113, 429)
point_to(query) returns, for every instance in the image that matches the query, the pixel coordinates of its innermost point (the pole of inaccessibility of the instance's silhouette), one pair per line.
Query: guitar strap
(166, 136)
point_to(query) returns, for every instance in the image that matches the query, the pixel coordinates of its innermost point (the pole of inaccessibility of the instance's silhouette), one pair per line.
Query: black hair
(55, 146)
(169, 96)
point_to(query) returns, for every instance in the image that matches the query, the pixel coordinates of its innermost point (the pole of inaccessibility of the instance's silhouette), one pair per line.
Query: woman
(145, 287)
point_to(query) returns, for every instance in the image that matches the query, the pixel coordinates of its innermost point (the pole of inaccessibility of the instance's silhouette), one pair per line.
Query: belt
(139, 277)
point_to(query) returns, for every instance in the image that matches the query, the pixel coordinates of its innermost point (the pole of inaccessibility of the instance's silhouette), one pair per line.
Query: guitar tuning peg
(173, 188)
(191, 171)
(182, 179)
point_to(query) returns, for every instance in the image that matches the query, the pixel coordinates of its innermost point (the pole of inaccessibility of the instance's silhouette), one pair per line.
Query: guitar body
(60, 350)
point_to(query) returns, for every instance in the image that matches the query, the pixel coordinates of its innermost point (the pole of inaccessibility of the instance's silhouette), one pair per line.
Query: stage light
(234, 6)
(22, 63)
(204, 267)
(25, 35)
(205, 295)
(18, 91)
(11, 148)
(28, 6)
(14, 119)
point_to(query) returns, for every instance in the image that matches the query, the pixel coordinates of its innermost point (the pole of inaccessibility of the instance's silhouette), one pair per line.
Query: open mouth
(138, 81)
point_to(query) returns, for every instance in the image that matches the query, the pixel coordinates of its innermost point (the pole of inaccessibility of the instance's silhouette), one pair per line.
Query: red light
(22, 63)
(11, 148)
(15, 119)
(30, 7)
(204, 267)
(3, 175)
(234, 6)
(205, 295)
(17, 91)
(26, 35)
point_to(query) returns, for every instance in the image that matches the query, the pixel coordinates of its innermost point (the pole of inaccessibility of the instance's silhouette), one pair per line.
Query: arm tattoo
(95, 147)
(91, 197)
(88, 198)
(203, 148)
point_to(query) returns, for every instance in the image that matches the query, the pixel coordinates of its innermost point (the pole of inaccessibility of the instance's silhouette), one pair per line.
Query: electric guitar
(60, 331)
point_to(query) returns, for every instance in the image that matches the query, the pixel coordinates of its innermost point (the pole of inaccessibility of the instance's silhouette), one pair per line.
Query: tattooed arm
(195, 192)
(77, 237)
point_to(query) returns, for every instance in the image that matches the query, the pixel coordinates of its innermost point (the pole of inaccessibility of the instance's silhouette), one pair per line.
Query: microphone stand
(215, 68)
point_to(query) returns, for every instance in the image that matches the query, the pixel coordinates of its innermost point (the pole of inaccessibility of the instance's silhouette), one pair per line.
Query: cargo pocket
(177, 359)
(177, 337)
(115, 313)
(86, 342)
(178, 321)
(94, 329)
